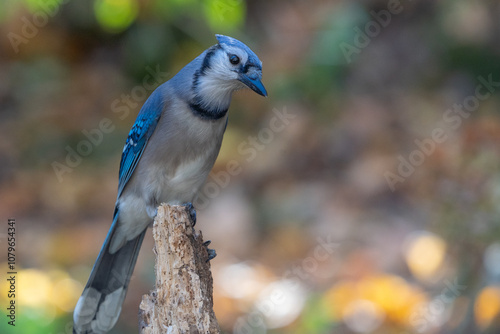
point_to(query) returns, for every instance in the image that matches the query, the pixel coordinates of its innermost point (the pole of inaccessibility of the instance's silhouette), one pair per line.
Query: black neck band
(208, 114)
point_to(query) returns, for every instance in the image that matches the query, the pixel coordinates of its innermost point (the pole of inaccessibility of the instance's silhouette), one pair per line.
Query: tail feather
(100, 305)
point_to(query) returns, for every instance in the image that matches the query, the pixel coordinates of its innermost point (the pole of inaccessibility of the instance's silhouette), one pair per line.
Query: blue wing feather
(138, 137)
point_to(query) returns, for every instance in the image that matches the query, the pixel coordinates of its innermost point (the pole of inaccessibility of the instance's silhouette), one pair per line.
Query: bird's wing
(138, 137)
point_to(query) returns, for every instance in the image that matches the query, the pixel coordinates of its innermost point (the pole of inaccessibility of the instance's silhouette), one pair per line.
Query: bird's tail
(100, 305)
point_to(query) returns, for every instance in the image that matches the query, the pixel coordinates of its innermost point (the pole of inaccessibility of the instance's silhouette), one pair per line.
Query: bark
(182, 299)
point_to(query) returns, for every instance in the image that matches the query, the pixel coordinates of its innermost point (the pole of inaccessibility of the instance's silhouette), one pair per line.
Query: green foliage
(47, 6)
(116, 15)
(315, 318)
(224, 14)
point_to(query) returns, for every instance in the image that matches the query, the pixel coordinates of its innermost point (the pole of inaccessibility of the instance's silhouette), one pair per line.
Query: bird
(168, 154)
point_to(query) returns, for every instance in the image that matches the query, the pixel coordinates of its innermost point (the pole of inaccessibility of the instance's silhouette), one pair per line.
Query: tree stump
(182, 299)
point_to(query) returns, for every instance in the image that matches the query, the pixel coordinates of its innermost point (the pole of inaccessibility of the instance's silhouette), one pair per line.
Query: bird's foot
(192, 212)
(211, 252)
(152, 211)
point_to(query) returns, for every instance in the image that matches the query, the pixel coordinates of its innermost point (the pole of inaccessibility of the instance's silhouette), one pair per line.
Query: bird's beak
(254, 84)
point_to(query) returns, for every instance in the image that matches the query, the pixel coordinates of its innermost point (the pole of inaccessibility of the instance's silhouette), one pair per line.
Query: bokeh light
(363, 316)
(382, 296)
(249, 278)
(44, 295)
(36, 287)
(281, 302)
(425, 253)
(487, 306)
(492, 259)
(115, 15)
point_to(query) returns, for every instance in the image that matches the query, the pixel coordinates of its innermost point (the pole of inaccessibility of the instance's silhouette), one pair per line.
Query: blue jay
(168, 154)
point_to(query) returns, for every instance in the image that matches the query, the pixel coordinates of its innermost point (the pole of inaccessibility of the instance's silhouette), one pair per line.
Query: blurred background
(365, 198)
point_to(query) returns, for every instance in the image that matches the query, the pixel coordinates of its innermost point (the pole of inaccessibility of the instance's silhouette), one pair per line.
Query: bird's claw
(192, 212)
(211, 252)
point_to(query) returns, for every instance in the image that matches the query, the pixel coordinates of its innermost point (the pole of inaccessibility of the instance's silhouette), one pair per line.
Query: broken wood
(182, 299)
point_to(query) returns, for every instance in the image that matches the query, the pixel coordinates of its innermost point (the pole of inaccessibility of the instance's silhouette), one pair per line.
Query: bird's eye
(234, 59)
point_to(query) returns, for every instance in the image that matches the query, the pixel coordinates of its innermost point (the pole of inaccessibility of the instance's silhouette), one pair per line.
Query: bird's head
(232, 65)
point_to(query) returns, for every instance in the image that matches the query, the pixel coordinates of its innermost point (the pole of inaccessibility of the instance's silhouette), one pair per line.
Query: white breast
(183, 186)
(185, 159)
